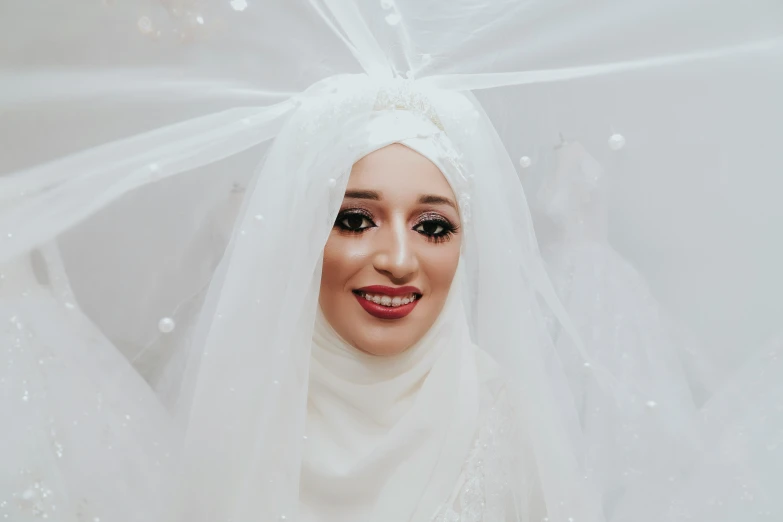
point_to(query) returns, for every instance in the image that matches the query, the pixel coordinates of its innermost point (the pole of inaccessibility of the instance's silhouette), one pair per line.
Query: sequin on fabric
(483, 487)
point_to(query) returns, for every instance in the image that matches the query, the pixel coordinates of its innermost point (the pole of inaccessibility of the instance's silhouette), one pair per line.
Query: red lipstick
(387, 312)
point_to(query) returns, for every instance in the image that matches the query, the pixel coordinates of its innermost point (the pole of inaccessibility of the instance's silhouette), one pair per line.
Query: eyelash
(448, 229)
(446, 232)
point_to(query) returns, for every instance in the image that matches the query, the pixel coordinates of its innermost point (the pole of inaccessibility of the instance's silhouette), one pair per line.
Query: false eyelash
(449, 229)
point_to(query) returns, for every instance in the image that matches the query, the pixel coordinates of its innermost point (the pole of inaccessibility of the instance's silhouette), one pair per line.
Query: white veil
(132, 135)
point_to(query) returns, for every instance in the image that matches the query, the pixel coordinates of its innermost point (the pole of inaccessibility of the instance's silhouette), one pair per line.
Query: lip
(387, 312)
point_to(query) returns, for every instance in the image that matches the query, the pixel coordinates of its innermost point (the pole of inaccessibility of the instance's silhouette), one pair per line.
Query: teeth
(385, 300)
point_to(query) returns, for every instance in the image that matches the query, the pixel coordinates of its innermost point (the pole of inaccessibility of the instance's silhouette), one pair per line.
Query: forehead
(397, 171)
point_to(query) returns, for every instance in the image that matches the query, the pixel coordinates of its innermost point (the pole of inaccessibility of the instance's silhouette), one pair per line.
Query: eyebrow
(431, 199)
(363, 194)
(426, 199)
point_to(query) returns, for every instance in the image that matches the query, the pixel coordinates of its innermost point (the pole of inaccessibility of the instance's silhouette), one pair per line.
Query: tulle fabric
(83, 433)
(146, 157)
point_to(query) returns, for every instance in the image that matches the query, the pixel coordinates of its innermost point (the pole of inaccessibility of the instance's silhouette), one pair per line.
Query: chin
(384, 340)
(380, 351)
(386, 351)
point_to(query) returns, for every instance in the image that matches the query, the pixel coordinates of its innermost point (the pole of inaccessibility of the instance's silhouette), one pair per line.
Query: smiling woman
(395, 399)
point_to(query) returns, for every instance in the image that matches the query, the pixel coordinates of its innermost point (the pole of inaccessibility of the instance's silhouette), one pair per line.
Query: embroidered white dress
(483, 489)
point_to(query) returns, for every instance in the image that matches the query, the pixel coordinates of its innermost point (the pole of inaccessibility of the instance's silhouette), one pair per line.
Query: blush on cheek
(442, 265)
(341, 260)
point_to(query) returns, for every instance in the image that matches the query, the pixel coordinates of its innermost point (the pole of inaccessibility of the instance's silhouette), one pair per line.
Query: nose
(395, 256)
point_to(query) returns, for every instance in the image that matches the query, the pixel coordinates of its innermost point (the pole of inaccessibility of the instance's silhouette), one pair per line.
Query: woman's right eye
(354, 222)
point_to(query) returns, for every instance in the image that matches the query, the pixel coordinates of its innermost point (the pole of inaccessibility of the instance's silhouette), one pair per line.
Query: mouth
(386, 302)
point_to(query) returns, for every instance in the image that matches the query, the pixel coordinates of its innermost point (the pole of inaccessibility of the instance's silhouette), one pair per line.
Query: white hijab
(387, 436)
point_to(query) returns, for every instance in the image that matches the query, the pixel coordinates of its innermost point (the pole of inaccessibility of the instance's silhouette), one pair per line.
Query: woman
(398, 393)
(397, 396)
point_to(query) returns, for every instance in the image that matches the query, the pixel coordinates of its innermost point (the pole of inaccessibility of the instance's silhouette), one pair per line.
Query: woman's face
(393, 252)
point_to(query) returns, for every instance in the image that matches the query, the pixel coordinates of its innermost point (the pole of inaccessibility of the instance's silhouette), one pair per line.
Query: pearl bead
(239, 5)
(332, 183)
(259, 217)
(616, 142)
(145, 25)
(154, 169)
(651, 404)
(393, 19)
(166, 325)
(525, 162)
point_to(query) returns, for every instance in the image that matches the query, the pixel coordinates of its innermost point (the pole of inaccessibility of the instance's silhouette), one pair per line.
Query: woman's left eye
(430, 228)
(435, 229)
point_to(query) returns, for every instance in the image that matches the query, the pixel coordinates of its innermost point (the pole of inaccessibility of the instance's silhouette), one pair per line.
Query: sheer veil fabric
(172, 169)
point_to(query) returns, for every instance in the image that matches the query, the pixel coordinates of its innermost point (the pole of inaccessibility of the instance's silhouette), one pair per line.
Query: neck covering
(386, 437)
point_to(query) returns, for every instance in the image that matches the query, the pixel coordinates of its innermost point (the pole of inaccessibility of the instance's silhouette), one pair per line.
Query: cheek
(441, 266)
(343, 257)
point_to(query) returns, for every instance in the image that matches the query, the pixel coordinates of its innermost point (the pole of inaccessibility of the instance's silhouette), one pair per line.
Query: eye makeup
(433, 226)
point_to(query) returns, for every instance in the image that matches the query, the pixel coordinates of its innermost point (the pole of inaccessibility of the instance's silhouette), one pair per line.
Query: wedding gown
(84, 439)
(482, 490)
(625, 327)
(736, 423)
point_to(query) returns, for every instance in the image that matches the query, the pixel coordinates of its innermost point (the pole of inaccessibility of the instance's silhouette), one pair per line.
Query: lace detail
(483, 486)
